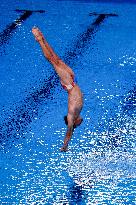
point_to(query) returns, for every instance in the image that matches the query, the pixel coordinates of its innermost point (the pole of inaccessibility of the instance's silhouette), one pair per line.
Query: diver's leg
(46, 48)
(64, 71)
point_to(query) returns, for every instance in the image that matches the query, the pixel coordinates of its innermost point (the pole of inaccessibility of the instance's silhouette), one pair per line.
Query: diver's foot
(64, 148)
(37, 34)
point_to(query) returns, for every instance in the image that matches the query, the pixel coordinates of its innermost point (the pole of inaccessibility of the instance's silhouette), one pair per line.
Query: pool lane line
(13, 126)
(18, 121)
(33, 11)
(6, 34)
(97, 14)
(85, 38)
(101, 17)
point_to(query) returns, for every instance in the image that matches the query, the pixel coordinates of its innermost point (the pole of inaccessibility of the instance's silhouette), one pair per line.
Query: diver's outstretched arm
(68, 133)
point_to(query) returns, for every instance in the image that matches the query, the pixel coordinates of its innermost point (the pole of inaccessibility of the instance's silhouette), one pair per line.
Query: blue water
(97, 39)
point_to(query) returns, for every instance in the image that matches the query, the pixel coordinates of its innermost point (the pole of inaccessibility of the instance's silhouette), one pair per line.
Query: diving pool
(98, 40)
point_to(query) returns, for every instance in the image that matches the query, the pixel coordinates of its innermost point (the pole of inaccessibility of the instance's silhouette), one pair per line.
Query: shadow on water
(76, 195)
(23, 115)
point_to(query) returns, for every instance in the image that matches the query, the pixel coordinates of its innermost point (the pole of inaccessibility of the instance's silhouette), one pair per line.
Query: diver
(66, 75)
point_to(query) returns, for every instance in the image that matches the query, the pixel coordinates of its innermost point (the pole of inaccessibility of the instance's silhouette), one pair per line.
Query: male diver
(66, 75)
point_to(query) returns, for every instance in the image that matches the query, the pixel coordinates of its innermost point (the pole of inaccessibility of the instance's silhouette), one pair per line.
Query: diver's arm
(68, 133)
